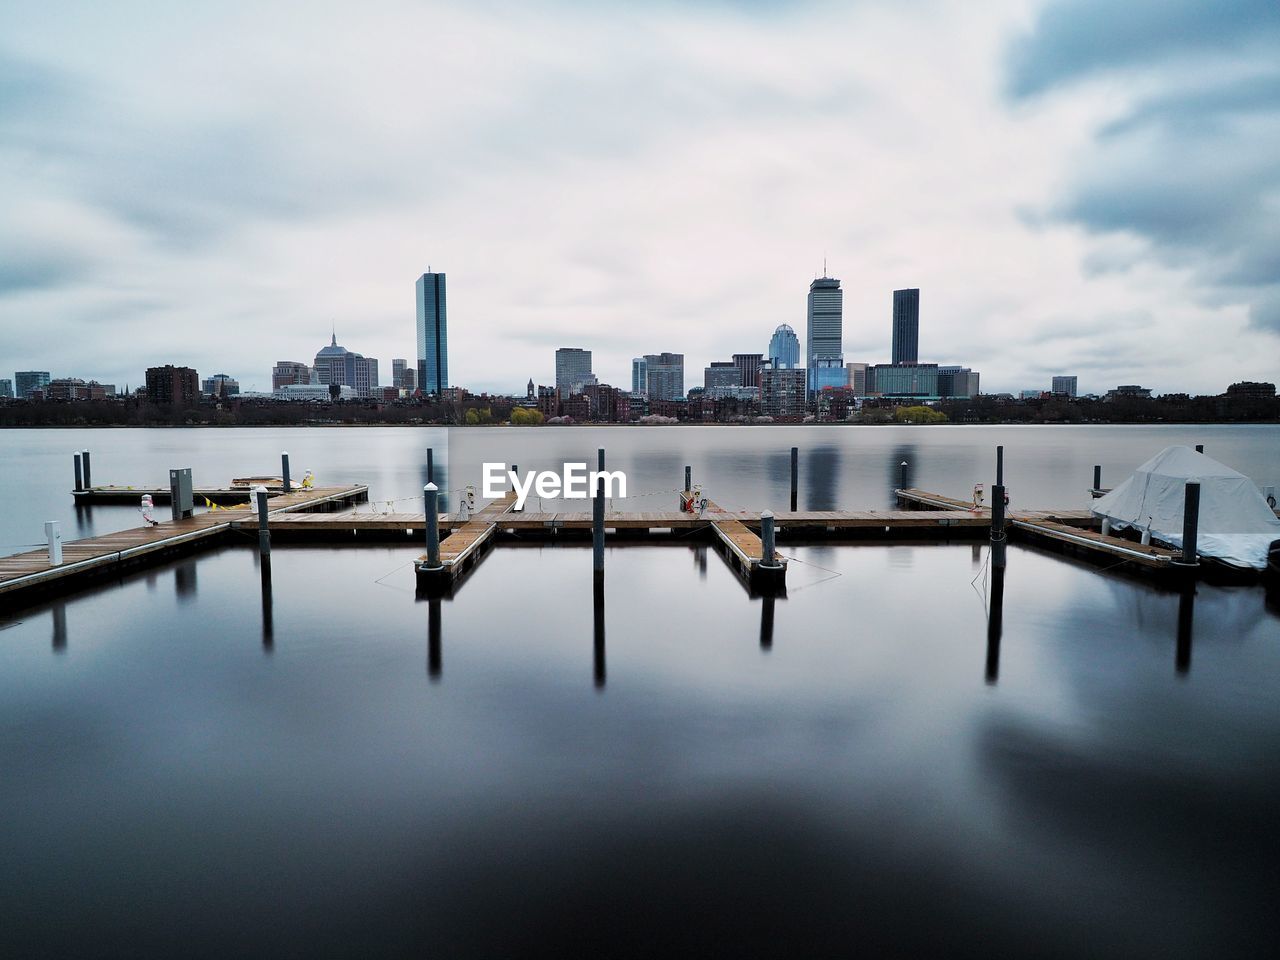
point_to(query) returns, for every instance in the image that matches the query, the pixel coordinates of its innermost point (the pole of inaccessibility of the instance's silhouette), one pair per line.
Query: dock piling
(597, 529)
(284, 471)
(767, 546)
(53, 534)
(902, 475)
(1097, 478)
(430, 495)
(600, 458)
(88, 478)
(79, 473)
(1199, 448)
(264, 534)
(795, 475)
(1190, 524)
(998, 538)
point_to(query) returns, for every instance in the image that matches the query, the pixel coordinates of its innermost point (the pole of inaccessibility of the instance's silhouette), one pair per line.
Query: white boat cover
(1236, 524)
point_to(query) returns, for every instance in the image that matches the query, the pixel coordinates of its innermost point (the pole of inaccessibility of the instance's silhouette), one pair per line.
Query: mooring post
(600, 458)
(88, 478)
(768, 552)
(284, 471)
(687, 498)
(902, 475)
(597, 530)
(1190, 523)
(264, 535)
(429, 494)
(53, 534)
(998, 540)
(79, 473)
(795, 475)
(1097, 476)
(431, 466)
(515, 468)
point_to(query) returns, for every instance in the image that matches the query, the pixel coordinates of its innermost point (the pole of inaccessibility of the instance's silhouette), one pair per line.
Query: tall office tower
(784, 348)
(1065, 385)
(573, 370)
(748, 365)
(956, 381)
(721, 373)
(782, 392)
(857, 378)
(639, 377)
(665, 375)
(433, 339)
(906, 326)
(6, 389)
(25, 381)
(398, 368)
(825, 350)
(220, 385)
(287, 372)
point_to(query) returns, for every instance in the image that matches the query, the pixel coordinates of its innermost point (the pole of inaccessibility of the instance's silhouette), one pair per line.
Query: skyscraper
(573, 370)
(748, 365)
(1065, 385)
(906, 326)
(665, 375)
(289, 372)
(25, 381)
(433, 339)
(824, 346)
(639, 376)
(784, 348)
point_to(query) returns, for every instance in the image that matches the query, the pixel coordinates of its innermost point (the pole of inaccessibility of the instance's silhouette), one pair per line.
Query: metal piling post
(430, 495)
(284, 471)
(264, 534)
(1190, 524)
(79, 473)
(597, 530)
(795, 475)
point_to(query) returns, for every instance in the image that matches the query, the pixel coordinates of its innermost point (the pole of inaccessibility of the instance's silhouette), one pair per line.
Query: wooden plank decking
(97, 555)
(465, 542)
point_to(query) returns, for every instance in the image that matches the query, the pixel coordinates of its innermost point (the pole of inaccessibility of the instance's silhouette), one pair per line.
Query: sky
(1076, 186)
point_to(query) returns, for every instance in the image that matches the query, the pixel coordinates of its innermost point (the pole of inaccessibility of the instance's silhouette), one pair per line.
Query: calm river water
(191, 766)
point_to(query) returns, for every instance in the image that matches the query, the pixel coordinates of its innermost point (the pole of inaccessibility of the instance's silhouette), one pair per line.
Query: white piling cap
(430, 488)
(284, 453)
(768, 514)
(259, 489)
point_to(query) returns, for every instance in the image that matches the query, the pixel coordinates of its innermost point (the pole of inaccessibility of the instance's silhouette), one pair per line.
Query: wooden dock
(131, 496)
(460, 550)
(744, 549)
(107, 555)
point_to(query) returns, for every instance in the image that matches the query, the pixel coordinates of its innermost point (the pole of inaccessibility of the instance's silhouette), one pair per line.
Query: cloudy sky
(1077, 186)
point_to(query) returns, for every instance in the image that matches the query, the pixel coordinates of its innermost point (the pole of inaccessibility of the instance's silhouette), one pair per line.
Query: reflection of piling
(59, 627)
(434, 655)
(795, 476)
(998, 538)
(766, 622)
(79, 472)
(1186, 614)
(264, 534)
(995, 625)
(597, 529)
(597, 596)
(1190, 524)
(268, 619)
(429, 495)
(285, 482)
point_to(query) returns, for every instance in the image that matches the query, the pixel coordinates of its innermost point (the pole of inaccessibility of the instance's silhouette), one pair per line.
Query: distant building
(721, 373)
(639, 377)
(1064, 386)
(664, 374)
(748, 365)
(338, 365)
(433, 334)
(825, 348)
(403, 376)
(958, 382)
(170, 386)
(857, 374)
(1249, 390)
(530, 392)
(573, 370)
(27, 380)
(291, 371)
(784, 348)
(220, 385)
(313, 391)
(1030, 394)
(607, 404)
(906, 326)
(782, 392)
(1128, 391)
(904, 380)
(6, 389)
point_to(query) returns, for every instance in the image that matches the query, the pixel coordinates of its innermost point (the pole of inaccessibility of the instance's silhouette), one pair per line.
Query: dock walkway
(109, 553)
(464, 543)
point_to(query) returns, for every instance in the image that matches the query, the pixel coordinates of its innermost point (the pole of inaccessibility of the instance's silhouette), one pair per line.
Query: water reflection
(1186, 614)
(59, 612)
(700, 561)
(766, 623)
(995, 625)
(434, 654)
(821, 476)
(268, 618)
(597, 598)
(184, 580)
(84, 519)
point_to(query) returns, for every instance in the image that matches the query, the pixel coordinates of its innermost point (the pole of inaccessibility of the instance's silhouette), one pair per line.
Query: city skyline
(1038, 209)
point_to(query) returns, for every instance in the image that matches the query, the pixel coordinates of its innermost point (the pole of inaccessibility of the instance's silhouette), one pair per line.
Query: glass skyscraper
(906, 326)
(825, 348)
(573, 370)
(433, 336)
(784, 348)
